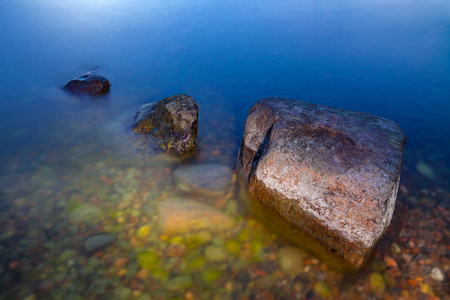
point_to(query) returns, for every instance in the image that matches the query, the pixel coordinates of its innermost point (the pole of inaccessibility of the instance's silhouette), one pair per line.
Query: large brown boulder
(88, 84)
(325, 178)
(173, 121)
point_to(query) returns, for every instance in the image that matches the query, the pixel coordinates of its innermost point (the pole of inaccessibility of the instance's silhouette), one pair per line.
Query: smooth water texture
(65, 176)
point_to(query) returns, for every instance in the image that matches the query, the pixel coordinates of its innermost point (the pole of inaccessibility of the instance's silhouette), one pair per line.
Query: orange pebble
(390, 262)
(260, 272)
(120, 262)
(142, 274)
(14, 264)
(412, 282)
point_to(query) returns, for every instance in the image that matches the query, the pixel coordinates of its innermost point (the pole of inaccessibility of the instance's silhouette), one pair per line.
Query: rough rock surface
(206, 179)
(173, 121)
(88, 84)
(325, 177)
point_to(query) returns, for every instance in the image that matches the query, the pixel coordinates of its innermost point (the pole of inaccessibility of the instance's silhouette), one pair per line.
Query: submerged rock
(88, 84)
(209, 179)
(85, 212)
(179, 283)
(181, 216)
(98, 242)
(425, 170)
(215, 254)
(291, 260)
(173, 121)
(324, 178)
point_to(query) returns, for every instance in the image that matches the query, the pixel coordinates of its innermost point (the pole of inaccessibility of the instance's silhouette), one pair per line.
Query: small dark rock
(98, 242)
(88, 84)
(173, 121)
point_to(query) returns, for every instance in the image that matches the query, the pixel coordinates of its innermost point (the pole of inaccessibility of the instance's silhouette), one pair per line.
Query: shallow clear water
(59, 152)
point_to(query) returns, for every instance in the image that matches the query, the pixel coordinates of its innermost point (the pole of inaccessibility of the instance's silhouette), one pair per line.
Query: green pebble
(210, 276)
(196, 264)
(160, 274)
(244, 235)
(179, 283)
(65, 256)
(135, 213)
(144, 297)
(233, 247)
(377, 282)
(148, 260)
(176, 240)
(215, 254)
(128, 197)
(322, 290)
(257, 249)
(123, 292)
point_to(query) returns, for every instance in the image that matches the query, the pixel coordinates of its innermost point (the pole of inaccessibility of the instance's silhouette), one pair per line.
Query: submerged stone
(215, 254)
(179, 283)
(85, 212)
(148, 260)
(98, 242)
(291, 260)
(208, 179)
(181, 216)
(88, 84)
(322, 177)
(143, 231)
(377, 283)
(425, 170)
(172, 121)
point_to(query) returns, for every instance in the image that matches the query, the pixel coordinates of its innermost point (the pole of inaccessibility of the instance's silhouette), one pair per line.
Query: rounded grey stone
(203, 178)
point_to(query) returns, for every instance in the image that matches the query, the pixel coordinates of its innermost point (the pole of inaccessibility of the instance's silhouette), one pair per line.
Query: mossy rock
(172, 121)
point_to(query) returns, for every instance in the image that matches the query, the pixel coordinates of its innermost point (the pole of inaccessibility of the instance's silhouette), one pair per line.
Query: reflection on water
(82, 216)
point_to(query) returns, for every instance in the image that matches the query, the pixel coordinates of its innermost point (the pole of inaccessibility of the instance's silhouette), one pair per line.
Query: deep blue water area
(389, 58)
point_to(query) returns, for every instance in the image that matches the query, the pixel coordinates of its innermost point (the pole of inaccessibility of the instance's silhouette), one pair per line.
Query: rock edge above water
(321, 175)
(88, 84)
(173, 121)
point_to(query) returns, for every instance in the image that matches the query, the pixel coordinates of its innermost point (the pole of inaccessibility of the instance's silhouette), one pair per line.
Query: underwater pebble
(291, 260)
(322, 290)
(215, 254)
(377, 283)
(179, 283)
(437, 275)
(395, 248)
(123, 292)
(181, 216)
(85, 212)
(143, 232)
(425, 170)
(98, 242)
(128, 197)
(209, 179)
(144, 297)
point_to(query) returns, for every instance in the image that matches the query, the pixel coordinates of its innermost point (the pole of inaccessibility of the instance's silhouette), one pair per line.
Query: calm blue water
(389, 58)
